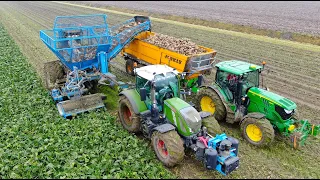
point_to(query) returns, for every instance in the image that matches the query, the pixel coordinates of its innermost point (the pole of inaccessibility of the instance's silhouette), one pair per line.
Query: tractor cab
(237, 77)
(163, 78)
(158, 87)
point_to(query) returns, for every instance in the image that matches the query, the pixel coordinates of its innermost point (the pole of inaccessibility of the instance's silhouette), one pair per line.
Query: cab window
(141, 82)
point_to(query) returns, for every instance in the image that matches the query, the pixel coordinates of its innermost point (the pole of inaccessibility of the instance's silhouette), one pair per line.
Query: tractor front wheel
(258, 132)
(128, 118)
(208, 100)
(168, 147)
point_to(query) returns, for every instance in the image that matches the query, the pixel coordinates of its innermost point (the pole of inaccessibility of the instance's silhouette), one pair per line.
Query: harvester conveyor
(84, 46)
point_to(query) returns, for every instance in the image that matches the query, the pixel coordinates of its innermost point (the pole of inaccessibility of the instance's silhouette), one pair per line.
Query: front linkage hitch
(299, 135)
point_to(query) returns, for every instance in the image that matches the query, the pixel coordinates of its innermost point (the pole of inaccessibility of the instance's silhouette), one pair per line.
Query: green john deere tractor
(154, 108)
(235, 96)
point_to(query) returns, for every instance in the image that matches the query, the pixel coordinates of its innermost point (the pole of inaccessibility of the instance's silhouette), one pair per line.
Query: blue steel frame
(212, 143)
(104, 42)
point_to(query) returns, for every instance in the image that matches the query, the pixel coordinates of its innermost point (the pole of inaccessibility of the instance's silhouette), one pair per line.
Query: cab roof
(148, 72)
(237, 67)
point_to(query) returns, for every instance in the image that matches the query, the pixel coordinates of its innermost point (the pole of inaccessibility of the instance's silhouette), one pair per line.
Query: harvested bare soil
(290, 16)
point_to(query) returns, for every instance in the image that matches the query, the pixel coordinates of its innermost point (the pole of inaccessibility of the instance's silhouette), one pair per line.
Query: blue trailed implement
(84, 46)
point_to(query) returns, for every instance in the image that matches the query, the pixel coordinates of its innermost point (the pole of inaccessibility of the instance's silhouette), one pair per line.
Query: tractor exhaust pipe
(154, 107)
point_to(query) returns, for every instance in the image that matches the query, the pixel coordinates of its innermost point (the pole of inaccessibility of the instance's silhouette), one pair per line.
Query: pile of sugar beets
(182, 46)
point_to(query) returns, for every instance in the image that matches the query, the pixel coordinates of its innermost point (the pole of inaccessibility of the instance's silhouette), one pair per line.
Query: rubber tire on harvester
(129, 66)
(220, 110)
(264, 125)
(174, 146)
(135, 124)
(212, 125)
(53, 71)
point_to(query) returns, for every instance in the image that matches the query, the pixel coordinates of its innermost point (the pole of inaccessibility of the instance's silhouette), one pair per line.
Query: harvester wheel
(129, 67)
(208, 100)
(168, 147)
(53, 71)
(258, 132)
(128, 118)
(212, 125)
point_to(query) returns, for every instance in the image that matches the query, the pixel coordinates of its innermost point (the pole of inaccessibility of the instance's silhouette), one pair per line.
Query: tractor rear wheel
(258, 132)
(208, 100)
(168, 147)
(212, 125)
(129, 67)
(128, 118)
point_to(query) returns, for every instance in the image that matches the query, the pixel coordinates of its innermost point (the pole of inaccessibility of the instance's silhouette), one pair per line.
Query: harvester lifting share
(84, 46)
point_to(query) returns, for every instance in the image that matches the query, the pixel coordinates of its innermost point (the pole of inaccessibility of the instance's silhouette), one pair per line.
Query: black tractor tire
(173, 144)
(212, 125)
(128, 118)
(265, 127)
(130, 67)
(53, 71)
(220, 110)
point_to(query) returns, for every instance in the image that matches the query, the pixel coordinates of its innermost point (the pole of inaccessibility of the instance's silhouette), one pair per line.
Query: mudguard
(134, 99)
(164, 128)
(256, 115)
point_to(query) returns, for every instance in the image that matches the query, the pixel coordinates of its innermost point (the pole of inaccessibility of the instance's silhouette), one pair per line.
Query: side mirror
(143, 94)
(200, 78)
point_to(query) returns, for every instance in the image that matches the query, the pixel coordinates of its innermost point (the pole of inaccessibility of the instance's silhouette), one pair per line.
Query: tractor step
(79, 105)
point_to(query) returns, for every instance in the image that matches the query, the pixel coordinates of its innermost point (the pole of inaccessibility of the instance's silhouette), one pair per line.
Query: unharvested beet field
(294, 73)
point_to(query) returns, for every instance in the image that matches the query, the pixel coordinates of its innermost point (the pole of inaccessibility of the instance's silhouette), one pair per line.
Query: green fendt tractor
(153, 106)
(235, 96)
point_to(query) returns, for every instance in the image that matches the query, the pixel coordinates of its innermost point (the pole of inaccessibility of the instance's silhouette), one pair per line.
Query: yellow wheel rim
(207, 104)
(254, 132)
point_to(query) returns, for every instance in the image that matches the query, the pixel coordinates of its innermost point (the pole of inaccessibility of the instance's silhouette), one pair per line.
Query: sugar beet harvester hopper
(84, 46)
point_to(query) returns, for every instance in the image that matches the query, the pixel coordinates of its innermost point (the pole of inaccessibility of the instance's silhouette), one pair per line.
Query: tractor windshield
(252, 78)
(192, 118)
(162, 80)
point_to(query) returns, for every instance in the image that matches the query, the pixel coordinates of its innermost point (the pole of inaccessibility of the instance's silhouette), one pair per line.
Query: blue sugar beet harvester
(84, 46)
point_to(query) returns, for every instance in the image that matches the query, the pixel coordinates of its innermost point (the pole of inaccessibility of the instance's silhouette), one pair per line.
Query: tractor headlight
(288, 111)
(291, 127)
